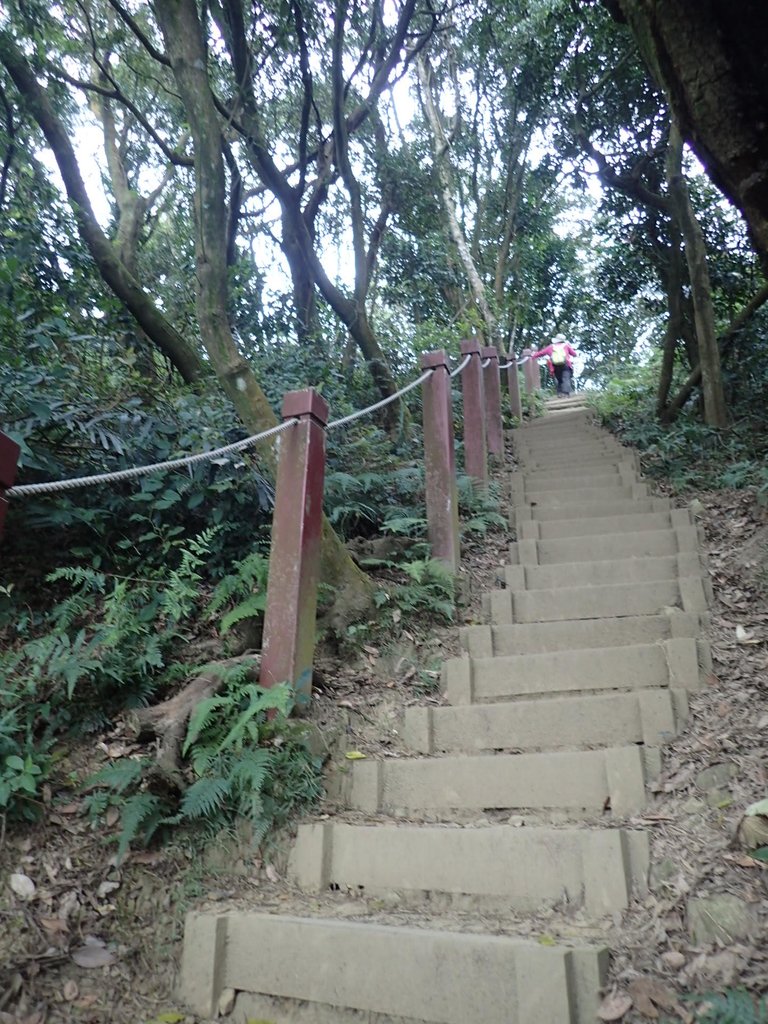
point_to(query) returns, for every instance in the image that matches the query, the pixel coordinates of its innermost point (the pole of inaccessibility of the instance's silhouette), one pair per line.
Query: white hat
(559, 339)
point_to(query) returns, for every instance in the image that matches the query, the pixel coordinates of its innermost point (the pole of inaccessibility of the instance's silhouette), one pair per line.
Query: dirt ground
(85, 940)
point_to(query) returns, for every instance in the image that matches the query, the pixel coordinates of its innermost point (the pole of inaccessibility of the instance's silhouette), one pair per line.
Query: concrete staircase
(556, 715)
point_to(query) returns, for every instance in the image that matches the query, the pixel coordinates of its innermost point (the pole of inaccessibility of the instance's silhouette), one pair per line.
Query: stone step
(557, 464)
(536, 481)
(545, 637)
(609, 469)
(347, 971)
(650, 716)
(645, 543)
(551, 511)
(503, 607)
(496, 866)
(585, 496)
(673, 662)
(574, 451)
(620, 570)
(575, 782)
(598, 525)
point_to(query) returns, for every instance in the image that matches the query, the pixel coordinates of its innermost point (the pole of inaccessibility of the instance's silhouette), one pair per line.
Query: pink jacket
(570, 352)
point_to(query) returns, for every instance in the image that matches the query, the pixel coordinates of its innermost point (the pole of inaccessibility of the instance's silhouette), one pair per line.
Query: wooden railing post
(492, 387)
(531, 372)
(440, 462)
(475, 448)
(294, 560)
(9, 460)
(513, 383)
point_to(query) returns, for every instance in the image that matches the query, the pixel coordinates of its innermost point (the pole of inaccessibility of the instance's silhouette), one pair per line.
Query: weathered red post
(294, 560)
(9, 460)
(531, 372)
(513, 383)
(492, 388)
(475, 449)
(440, 462)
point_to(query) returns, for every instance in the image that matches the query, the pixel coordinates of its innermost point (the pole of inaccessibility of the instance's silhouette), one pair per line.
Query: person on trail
(560, 357)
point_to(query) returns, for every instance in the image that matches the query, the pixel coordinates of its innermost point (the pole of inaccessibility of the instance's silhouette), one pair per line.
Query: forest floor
(87, 940)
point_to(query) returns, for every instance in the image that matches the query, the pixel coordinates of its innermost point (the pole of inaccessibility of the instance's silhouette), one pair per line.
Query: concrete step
(551, 511)
(575, 782)
(673, 662)
(620, 570)
(496, 866)
(585, 496)
(503, 607)
(650, 716)
(643, 544)
(598, 525)
(557, 464)
(538, 481)
(345, 972)
(609, 469)
(561, 450)
(545, 637)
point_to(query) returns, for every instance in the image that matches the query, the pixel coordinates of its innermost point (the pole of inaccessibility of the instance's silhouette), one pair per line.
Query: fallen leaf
(354, 755)
(93, 953)
(271, 874)
(106, 888)
(23, 886)
(70, 990)
(53, 925)
(614, 1007)
(112, 816)
(647, 994)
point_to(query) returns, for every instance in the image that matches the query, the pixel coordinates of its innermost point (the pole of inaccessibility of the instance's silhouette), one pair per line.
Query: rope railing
(52, 486)
(134, 472)
(514, 362)
(380, 405)
(462, 366)
(297, 518)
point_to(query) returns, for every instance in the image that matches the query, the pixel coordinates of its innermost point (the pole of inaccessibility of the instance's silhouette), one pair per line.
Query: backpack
(558, 354)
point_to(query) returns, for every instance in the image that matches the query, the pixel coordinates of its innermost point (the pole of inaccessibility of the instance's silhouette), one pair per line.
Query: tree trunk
(728, 339)
(711, 60)
(113, 271)
(441, 146)
(673, 281)
(715, 410)
(182, 32)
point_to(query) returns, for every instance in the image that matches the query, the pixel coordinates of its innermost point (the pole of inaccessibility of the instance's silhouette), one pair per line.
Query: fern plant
(244, 760)
(243, 591)
(430, 589)
(734, 1006)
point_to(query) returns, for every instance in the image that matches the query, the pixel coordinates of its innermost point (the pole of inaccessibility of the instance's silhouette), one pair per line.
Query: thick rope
(380, 405)
(461, 366)
(53, 486)
(135, 471)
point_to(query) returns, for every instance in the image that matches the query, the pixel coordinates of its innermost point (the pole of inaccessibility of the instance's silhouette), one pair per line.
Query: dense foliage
(328, 196)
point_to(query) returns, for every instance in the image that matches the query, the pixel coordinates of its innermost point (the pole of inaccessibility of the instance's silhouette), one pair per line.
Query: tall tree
(711, 60)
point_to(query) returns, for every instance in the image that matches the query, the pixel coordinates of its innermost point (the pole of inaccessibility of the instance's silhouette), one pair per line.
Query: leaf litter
(135, 918)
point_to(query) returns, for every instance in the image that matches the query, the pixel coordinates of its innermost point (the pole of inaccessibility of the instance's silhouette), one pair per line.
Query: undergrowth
(688, 454)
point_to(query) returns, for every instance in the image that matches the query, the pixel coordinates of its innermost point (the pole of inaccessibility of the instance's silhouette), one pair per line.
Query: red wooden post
(492, 387)
(440, 462)
(513, 383)
(294, 560)
(9, 460)
(475, 449)
(531, 372)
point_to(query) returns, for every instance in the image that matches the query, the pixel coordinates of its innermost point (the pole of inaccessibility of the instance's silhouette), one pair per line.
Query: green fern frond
(118, 775)
(252, 607)
(201, 717)
(205, 797)
(142, 813)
